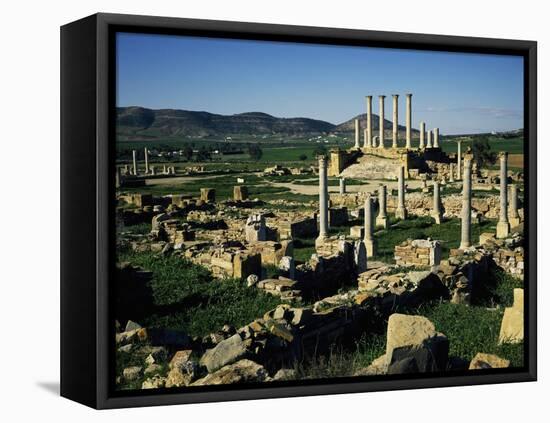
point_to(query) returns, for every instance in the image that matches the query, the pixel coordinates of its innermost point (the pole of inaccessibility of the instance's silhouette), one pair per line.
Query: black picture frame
(87, 184)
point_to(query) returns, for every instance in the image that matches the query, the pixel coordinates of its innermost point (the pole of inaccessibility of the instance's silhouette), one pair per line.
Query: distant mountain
(142, 122)
(139, 122)
(349, 125)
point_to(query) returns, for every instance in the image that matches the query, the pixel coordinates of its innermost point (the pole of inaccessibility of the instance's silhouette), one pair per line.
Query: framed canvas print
(254, 211)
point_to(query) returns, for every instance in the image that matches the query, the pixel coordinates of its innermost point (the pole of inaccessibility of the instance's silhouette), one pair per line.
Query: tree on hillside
(203, 154)
(303, 157)
(483, 155)
(320, 150)
(188, 152)
(255, 151)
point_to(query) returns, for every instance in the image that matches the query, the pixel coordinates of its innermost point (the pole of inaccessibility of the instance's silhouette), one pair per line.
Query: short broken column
(401, 211)
(369, 239)
(342, 185)
(208, 195)
(436, 212)
(240, 193)
(382, 218)
(323, 200)
(451, 172)
(255, 229)
(134, 162)
(357, 134)
(503, 226)
(465, 234)
(422, 135)
(514, 215)
(368, 141)
(381, 121)
(146, 155)
(408, 120)
(395, 120)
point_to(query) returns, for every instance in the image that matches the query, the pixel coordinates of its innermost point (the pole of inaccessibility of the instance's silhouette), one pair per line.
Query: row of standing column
(369, 140)
(149, 170)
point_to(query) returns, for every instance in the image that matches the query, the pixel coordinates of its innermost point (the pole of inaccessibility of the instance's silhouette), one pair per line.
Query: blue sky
(459, 93)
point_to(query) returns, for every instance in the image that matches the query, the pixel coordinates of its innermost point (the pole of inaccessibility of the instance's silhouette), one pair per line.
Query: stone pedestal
(382, 218)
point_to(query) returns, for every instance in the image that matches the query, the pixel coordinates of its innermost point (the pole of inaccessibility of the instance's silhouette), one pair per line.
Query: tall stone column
(368, 142)
(409, 119)
(357, 134)
(118, 177)
(422, 134)
(436, 137)
(134, 162)
(323, 200)
(395, 120)
(365, 137)
(342, 185)
(146, 154)
(381, 120)
(368, 240)
(382, 218)
(429, 141)
(465, 239)
(436, 212)
(514, 215)
(401, 211)
(503, 226)
(459, 160)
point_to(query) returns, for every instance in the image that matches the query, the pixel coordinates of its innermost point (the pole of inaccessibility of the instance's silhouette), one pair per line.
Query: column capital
(409, 95)
(503, 154)
(395, 95)
(381, 96)
(368, 97)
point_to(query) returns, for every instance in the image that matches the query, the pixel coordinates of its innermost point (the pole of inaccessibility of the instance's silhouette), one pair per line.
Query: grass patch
(342, 362)
(196, 303)
(471, 329)
(422, 228)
